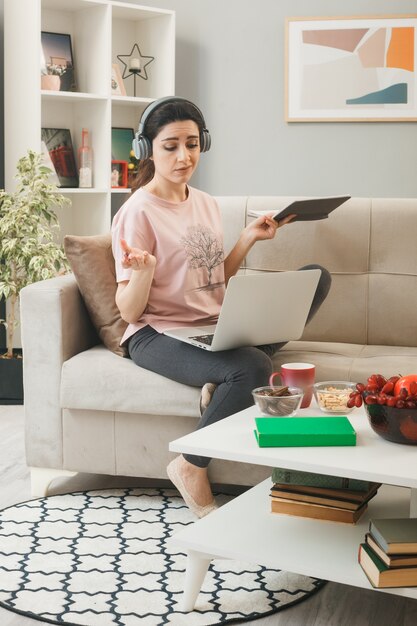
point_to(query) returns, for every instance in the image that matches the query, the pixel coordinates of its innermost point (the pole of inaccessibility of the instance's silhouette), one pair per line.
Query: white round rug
(100, 558)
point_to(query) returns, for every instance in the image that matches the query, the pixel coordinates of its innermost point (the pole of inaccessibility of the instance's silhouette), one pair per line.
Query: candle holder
(136, 66)
(135, 72)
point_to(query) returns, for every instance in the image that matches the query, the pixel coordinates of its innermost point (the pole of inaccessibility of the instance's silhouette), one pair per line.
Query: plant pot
(50, 82)
(11, 379)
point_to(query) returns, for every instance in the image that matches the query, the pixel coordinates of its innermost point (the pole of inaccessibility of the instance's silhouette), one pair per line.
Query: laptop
(257, 309)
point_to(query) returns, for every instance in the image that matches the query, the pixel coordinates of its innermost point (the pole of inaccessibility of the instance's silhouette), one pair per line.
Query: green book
(304, 431)
(310, 479)
(380, 575)
(396, 535)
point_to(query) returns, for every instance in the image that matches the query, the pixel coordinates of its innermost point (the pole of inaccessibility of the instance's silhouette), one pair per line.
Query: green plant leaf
(29, 229)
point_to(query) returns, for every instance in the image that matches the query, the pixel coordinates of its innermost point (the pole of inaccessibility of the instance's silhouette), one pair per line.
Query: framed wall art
(117, 84)
(118, 174)
(121, 143)
(59, 145)
(351, 69)
(57, 63)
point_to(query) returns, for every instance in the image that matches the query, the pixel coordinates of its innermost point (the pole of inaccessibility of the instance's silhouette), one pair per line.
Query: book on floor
(316, 511)
(311, 479)
(396, 535)
(327, 500)
(391, 560)
(380, 575)
(304, 431)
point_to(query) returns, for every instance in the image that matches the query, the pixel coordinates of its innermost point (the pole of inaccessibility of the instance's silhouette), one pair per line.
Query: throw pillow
(91, 260)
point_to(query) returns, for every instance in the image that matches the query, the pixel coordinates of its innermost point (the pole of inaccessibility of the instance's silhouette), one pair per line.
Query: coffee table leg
(413, 502)
(197, 566)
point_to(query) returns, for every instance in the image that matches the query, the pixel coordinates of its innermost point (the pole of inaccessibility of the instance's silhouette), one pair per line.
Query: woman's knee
(254, 367)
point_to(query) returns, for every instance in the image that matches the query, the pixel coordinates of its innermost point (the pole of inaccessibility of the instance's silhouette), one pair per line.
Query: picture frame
(351, 69)
(117, 84)
(57, 62)
(121, 143)
(121, 146)
(59, 145)
(118, 174)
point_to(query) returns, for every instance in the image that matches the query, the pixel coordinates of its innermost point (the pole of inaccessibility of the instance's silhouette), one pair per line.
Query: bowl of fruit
(391, 406)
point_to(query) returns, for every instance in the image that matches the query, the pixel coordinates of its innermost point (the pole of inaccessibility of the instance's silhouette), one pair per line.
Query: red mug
(297, 375)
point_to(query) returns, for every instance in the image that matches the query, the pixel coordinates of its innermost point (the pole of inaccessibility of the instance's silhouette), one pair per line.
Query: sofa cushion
(97, 379)
(92, 262)
(339, 243)
(348, 361)
(333, 361)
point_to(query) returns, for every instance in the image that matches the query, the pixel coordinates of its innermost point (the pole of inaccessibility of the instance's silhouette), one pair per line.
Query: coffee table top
(372, 458)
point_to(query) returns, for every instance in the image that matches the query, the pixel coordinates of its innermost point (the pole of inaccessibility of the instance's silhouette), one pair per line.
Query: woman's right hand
(136, 259)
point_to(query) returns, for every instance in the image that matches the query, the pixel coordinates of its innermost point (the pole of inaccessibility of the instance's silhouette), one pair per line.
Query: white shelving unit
(100, 30)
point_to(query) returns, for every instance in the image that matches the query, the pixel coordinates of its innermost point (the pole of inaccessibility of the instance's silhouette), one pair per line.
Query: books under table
(389, 554)
(312, 479)
(339, 505)
(395, 535)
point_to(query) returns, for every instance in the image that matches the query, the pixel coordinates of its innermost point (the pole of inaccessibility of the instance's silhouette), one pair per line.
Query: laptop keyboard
(207, 339)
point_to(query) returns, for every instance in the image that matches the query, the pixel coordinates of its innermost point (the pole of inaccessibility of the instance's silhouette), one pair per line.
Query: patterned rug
(101, 558)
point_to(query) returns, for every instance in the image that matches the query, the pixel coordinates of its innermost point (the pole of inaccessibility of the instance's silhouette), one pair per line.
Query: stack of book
(322, 497)
(389, 555)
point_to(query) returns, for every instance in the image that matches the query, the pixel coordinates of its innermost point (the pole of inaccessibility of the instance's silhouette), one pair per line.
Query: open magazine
(306, 210)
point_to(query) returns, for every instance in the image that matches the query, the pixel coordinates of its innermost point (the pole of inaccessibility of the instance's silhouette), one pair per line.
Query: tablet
(307, 210)
(311, 209)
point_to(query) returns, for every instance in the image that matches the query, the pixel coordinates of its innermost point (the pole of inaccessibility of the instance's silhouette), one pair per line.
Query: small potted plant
(51, 80)
(28, 251)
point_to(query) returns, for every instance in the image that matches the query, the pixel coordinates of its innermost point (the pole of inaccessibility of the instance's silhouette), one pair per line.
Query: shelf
(232, 439)
(99, 31)
(124, 190)
(244, 529)
(126, 11)
(71, 5)
(130, 100)
(71, 96)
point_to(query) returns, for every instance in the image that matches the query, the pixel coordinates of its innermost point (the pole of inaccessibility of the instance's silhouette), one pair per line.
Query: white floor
(335, 605)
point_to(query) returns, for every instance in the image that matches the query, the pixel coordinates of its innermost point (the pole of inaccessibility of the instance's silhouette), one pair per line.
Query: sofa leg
(41, 478)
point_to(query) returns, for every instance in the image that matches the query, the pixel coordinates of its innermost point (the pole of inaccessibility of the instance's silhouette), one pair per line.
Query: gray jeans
(235, 372)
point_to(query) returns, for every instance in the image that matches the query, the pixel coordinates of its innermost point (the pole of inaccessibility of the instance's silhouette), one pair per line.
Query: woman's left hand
(265, 227)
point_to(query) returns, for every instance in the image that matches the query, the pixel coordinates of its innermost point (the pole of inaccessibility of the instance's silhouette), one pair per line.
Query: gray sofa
(89, 410)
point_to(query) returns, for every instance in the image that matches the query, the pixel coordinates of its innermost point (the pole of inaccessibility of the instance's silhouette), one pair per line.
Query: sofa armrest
(55, 326)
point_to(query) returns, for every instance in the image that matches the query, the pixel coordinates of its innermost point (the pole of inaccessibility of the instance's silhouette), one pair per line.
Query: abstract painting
(351, 69)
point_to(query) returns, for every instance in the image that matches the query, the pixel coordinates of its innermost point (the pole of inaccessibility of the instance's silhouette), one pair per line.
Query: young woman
(159, 237)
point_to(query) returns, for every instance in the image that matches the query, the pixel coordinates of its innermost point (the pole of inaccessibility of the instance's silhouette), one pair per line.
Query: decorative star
(142, 72)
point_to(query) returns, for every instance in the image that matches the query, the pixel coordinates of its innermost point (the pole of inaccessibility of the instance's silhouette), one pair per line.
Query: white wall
(230, 61)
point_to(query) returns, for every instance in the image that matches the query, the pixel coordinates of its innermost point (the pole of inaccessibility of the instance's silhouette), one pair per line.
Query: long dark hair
(166, 113)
